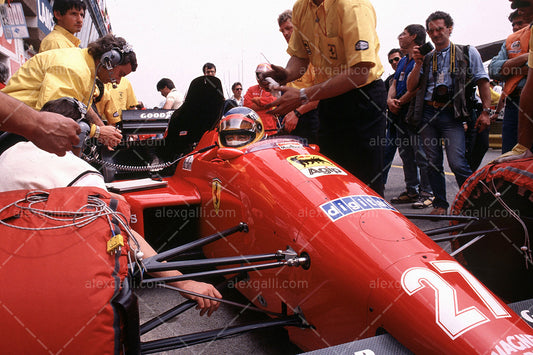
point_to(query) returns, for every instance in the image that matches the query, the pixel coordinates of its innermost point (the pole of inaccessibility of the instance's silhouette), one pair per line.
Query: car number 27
(448, 316)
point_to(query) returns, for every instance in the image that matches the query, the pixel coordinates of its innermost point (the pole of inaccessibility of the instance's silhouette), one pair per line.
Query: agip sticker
(314, 166)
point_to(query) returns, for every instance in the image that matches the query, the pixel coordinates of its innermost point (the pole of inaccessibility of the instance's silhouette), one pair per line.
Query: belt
(436, 104)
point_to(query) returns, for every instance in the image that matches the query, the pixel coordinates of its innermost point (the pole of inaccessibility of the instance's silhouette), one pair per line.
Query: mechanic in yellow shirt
(68, 16)
(71, 72)
(115, 100)
(339, 38)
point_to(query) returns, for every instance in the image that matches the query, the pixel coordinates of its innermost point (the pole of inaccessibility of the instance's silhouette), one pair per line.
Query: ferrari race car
(312, 246)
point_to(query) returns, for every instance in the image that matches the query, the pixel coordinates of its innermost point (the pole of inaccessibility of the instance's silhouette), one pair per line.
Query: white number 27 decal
(449, 318)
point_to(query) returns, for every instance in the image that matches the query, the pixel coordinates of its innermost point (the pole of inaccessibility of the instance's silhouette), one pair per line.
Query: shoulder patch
(361, 46)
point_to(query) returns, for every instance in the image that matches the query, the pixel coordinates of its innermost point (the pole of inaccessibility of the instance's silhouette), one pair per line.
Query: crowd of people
(330, 92)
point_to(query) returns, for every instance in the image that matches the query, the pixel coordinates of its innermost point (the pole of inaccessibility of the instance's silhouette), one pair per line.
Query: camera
(425, 48)
(441, 94)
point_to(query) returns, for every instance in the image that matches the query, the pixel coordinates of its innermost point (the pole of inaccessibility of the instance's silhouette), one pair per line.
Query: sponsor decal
(346, 206)
(314, 166)
(514, 344)
(216, 189)
(332, 51)
(307, 47)
(183, 133)
(361, 46)
(289, 145)
(527, 317)
(166, 114)
(515, 47)
(187, 163)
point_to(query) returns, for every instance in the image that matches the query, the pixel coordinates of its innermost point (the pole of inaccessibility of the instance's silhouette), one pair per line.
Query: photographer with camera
(445, 78)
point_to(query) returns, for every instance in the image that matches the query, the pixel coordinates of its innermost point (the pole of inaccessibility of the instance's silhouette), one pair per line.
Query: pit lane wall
(35, 20)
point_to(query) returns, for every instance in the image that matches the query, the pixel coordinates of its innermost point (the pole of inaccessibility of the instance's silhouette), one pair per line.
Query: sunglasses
(395, 59)
(237, 89)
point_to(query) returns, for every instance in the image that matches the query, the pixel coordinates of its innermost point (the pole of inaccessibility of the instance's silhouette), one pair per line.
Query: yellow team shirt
(51, 75)
(307, 80)
(116, 100)
(59, 38)
(335, 35)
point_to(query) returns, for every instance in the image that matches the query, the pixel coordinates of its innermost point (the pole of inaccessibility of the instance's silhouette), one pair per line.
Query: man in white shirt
(174, 98)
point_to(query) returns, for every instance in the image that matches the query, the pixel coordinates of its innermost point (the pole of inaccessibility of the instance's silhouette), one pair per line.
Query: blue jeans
(402, 137)
(510, 123)
(440, 126)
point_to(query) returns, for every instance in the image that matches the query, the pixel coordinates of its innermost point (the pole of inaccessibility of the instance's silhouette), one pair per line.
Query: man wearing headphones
(71, 72)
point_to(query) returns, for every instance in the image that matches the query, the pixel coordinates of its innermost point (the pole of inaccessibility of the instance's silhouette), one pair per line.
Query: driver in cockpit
(240, 127)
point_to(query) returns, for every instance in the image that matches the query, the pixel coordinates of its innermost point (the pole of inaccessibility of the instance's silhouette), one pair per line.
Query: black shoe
(405, 197)
(424, 201)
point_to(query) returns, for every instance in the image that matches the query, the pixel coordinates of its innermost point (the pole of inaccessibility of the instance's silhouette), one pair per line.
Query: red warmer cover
(56, 286)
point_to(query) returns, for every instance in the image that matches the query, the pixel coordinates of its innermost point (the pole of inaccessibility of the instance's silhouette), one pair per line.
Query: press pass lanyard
(435, 68)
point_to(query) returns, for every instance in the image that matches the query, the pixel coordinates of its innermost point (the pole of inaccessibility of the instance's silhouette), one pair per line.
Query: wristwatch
(303, 97)
(487, 110)
(297, 113)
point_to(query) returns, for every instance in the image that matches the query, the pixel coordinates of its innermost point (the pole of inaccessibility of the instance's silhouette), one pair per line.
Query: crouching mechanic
(71, 72)
(43, 170)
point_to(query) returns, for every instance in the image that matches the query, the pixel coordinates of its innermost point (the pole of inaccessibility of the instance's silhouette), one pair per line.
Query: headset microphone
(109, 60)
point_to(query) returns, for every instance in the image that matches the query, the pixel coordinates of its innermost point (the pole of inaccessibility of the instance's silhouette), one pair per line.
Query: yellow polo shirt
(59, 38)
(67, 72)
(335, 35)
(307, 80)
(123, 96)
(116, 100)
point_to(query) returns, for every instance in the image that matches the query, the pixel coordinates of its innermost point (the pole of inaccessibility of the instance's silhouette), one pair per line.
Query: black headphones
(82, 121)
(115, 56)
(112, 58)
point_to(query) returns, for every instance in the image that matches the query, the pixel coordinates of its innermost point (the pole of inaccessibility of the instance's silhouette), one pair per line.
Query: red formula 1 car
(308, 242)
(365, 269)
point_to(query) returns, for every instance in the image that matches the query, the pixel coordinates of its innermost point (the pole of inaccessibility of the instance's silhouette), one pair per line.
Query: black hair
(513, 15)
(4, 73)
(66, 106)
(419, 31)
(165, 83)
(440, 15)
(235, 84)
(394, 50)
(208, 66)
(108, 42)
(62, 6)
(284, 17)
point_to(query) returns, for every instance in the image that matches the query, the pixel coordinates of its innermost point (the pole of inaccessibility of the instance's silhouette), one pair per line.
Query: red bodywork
(371, 268)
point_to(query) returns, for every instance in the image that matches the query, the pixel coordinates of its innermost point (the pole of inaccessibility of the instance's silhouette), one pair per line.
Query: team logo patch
(307, 47)
(216, 190)
(289, 145)
(345, 206)
(314, 166)
(361, 46)
(515, 47)
(332, 51)
(187, 163)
